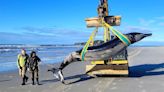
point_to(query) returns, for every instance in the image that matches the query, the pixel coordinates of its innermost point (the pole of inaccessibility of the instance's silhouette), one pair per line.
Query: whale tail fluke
(57, 74)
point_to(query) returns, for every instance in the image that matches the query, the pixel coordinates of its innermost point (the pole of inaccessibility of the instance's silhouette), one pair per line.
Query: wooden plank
(117, 62)
(109, 72)
(97, 62)
(90, 68)
(93, 22)
(111, 20)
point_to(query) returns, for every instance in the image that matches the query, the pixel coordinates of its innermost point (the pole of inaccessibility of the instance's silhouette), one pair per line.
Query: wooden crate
(118, 65)
(112, 69)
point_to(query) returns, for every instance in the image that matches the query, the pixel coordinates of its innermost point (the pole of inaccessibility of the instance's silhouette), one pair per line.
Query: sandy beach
(146, 75)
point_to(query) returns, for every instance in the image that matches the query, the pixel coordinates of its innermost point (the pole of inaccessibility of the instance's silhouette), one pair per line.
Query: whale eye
(132, 37)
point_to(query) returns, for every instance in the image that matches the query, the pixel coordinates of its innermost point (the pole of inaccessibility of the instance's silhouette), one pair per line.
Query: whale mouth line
(148, 34)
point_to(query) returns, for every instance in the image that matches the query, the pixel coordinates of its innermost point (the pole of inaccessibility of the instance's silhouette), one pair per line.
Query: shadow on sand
(135, 71)
(82, 77)
(146, 70)
(4, 80)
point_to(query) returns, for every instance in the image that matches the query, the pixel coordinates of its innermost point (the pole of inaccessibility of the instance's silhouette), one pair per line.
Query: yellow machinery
(117, 65)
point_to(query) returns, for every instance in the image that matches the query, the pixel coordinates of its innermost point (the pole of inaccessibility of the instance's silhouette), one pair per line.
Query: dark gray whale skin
(103, 51)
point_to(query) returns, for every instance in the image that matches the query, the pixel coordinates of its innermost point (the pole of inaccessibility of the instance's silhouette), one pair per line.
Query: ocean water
(48, 54)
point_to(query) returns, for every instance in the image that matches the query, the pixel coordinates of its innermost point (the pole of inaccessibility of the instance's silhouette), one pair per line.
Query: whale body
(100, 52)
(103, 51)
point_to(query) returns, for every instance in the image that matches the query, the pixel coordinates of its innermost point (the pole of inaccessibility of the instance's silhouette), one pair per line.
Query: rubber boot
(37, 80)
(33, 82)
(23, 81)
(26, 78)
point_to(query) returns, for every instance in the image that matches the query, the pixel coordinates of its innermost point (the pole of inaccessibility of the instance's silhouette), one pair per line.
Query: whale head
(135, 37)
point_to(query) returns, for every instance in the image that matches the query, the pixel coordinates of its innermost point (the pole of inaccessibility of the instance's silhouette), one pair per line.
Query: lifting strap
(122, 37)
(91, 39)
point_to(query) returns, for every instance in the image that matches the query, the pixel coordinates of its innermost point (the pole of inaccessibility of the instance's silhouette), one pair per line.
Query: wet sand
(146, 75)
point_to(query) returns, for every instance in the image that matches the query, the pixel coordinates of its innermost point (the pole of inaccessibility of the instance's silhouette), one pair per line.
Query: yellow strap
(122, 37)
(91, 38)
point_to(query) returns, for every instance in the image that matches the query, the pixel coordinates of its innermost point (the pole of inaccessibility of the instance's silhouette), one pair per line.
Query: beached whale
(100, 52)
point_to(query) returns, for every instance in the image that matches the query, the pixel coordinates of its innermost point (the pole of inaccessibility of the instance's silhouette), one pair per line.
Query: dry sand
(146, 75)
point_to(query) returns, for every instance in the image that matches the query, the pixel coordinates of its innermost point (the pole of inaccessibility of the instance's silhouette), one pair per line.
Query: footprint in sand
(11, 76)
(120, 80)
(114, 84)
(113, 88)
(143, 90)
(141, 82)
(162, 84)
(140, 86)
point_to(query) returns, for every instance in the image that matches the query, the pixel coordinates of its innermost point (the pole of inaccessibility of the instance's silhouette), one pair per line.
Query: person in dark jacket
(33, 67)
